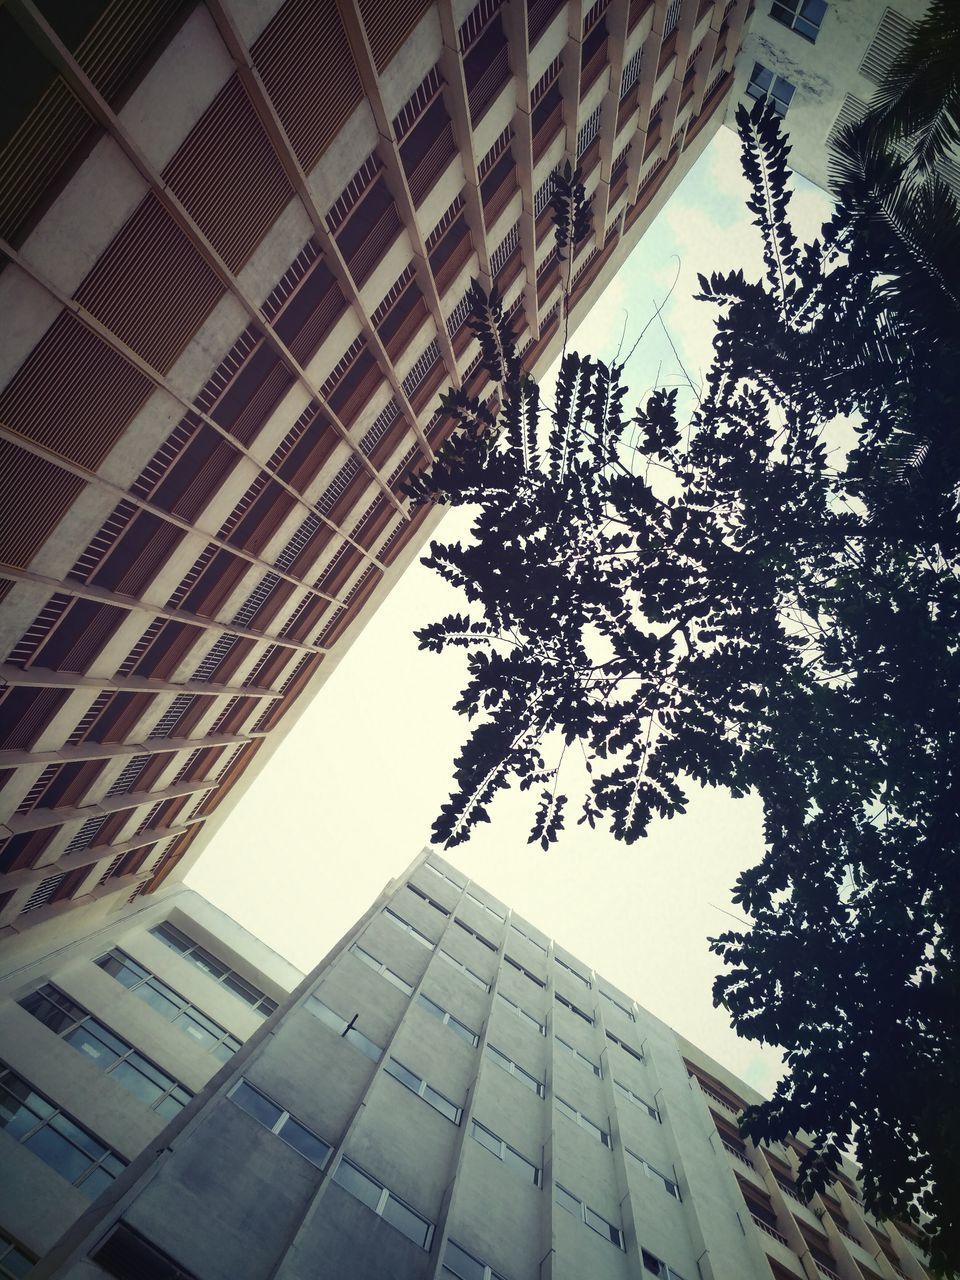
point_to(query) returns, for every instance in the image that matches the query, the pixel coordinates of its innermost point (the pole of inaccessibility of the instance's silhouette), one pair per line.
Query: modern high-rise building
(452, 1094)
(106, 1040)
(236, 238)
(820, 61)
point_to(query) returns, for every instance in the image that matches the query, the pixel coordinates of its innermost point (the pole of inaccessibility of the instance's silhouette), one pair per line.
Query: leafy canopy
(720, 601)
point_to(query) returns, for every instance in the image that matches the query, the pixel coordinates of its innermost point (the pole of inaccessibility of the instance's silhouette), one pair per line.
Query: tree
(721, 603)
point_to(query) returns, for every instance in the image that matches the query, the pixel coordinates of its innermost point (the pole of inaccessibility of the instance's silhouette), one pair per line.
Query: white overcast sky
(349, 797)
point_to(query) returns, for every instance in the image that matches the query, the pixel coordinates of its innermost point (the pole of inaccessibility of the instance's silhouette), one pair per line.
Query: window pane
(16, 1264)
(365, 956)
(225, 1051)
(60, 1154)
(189, 1023)
(208, 963)
(261, 1108)
(123, 969)
(160, 998)
(460, 1263)
(97, 1043)
(308, 1144)
(53, 1009)
(15, 1116)
(517, 1161)
(411, 1224)
(172, 937)
(97, 1180)
(566, 1109)
(430, 1007)
(358, 1184)
(241, 989)
(464, 1032)
(399, 1072)
(65, 1127)
(365, 1045)
(566, 1201)
(172, 1105)
(599, 1224)
(325, 1014)
(398, 981)
(486, 1138)
(139, 1083)
(442, 1104)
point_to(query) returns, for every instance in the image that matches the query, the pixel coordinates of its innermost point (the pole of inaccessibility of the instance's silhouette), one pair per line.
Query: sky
(349, 797)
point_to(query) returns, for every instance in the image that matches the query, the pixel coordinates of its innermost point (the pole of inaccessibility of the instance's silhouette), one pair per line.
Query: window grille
(352, 192)
(165, 457)
(114, 864)
(381, 425)
(543, 194)
(29, 801)
(851, 111)
(301, 537)
(243, 506)
(631, 73)
(192, 576)
(170, 717)
(255, 599)
(545, 81)
(89, 716)
(227, 369)
(620, 161)
(494, 154)
(129, 774)
(215, 656)
(43, 892)
(295, 673)
(39, 629)
(436, 235)
(392, 294)
(187, 765)
(84, 837)
(141, 647)
(588, 130)
(673, 17)
(103, 541)
(289, 280)
(477, 19)
(713, 83)
(402, 465)
(417, 103)
(503, 250)
(421, 367)
(458, 316)
(594, 14)
(342, 365)
(893, 34)
(338, 485)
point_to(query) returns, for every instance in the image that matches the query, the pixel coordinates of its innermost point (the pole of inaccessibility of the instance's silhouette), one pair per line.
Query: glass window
(126, 1255)
(364, 1044)
(54, 1138)
(803, 16)
(515, 964)
(579, 976)
(635, 1098)
(15, 1261)
(522, 1013)
(468, 973)
(53, 1008)
(572, 1114)
(455, 1025)
(487, 1139)
(581, 1057)
(216, 969)
(764, 84)
(409, 928)
(622, 1008)
(279, 1121)
(420, 1087)
(625, 1047)
(589, 1216)
(508, 1065)
(478, 937)
(567, 1201)
(568, 1004)
(383, 1202)
(206, 1033)
(382, 969)
(457, 1262)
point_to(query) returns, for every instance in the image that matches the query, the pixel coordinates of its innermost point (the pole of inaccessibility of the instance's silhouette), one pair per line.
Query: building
(237, 236)
(450, 1093)
(114, 1033)
(821, 61)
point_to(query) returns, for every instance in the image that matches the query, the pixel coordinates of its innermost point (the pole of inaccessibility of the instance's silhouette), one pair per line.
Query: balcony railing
(735, 1151)
(771, 1231)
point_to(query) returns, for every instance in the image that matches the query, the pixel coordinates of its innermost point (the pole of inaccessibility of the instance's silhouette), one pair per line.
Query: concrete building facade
(451, 1093)
(821, 61)
(105, 1040)
(236, 238)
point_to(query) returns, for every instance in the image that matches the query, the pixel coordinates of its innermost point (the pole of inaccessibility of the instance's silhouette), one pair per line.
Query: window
(579, 976)
(280, 1122)
(627, 1013)
(522, 1013)
(52, 1136)
(15, 1261)
(484, 942)
(458, 964)
(457, 1262)
(503, 1151)
(383, 1202)
(637, 1101)
(764, 84)
(491, 911)
(420, 1087)
(381, 968)
(656, 1267)
(669, 1184)
(206, 1033)
(573, 1114)
(533, 942)
(515, 964)
(581, 1056)
(221, 972)
(802, 16)
(126, 1255)
(508, 1065)
(443, 875)
(634, 1053)
(344, 1029)
(567, 1200)
(107, 1051)
(459, 1028)
(408, 928)
(568, 1004)
(437, 906)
